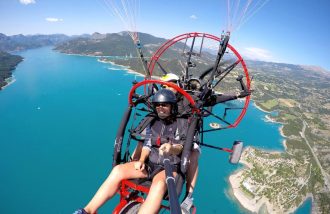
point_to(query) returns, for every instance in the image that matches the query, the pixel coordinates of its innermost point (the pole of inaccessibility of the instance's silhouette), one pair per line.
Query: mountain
(315, 75)
(8, 63)
(22, 42)
(112, 44)
(120, 48)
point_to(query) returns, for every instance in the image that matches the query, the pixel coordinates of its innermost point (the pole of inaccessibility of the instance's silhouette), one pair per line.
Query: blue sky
(290, 31)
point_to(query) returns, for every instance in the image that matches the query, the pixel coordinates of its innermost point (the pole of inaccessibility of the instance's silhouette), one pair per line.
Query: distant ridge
(316, 69)
(21, 42)
(120, 44)
(109, 44)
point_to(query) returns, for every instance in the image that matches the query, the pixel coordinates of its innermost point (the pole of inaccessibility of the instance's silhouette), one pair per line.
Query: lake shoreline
(251, 204)
(246, 201)
(9, 81)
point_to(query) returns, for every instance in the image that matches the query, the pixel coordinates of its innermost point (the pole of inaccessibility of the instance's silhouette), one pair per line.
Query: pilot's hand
(139, 165)
(165, 148)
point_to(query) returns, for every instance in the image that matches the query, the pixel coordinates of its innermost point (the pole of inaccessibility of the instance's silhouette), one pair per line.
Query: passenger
(162, 137)
(192, 172)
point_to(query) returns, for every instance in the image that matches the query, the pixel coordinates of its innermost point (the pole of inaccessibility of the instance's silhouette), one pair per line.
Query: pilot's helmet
(170, 77)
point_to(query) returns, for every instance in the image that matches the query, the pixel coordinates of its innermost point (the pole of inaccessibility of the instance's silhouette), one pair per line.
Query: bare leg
(192, 172)
(110, 186)
(155, 195)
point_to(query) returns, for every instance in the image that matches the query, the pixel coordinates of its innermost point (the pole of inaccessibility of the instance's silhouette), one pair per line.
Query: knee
(117, 171)
(159, 186)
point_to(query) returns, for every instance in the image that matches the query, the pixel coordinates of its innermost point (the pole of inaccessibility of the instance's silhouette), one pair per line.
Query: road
(325, 176)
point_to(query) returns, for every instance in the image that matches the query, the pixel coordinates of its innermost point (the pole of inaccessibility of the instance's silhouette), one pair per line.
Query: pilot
(183, 104)
(162, 137)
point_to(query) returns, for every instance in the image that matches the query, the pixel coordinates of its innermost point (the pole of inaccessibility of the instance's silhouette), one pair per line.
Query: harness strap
(158, 141)
(143, 124)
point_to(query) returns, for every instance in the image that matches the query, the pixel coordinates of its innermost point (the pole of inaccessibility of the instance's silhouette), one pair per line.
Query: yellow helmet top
(170, 77)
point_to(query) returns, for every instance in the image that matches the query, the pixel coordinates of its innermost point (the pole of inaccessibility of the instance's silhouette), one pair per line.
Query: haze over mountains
(111, 44)
(22, 42)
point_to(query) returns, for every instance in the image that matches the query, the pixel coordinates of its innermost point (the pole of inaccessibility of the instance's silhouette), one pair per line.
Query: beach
(258, 107)
(9, 81)
(121, 67)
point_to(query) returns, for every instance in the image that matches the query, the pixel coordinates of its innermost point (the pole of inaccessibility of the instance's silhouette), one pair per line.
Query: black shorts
(153, 169)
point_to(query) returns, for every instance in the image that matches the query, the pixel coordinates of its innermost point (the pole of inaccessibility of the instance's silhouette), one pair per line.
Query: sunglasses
(162, 105)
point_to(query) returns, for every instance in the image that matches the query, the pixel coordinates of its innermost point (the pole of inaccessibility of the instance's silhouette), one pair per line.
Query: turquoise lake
(58, 122)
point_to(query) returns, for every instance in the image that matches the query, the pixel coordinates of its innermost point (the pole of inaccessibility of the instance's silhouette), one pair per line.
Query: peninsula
(8, 63)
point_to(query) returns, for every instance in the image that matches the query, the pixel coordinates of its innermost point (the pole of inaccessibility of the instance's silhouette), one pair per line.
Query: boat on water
(215, 125)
